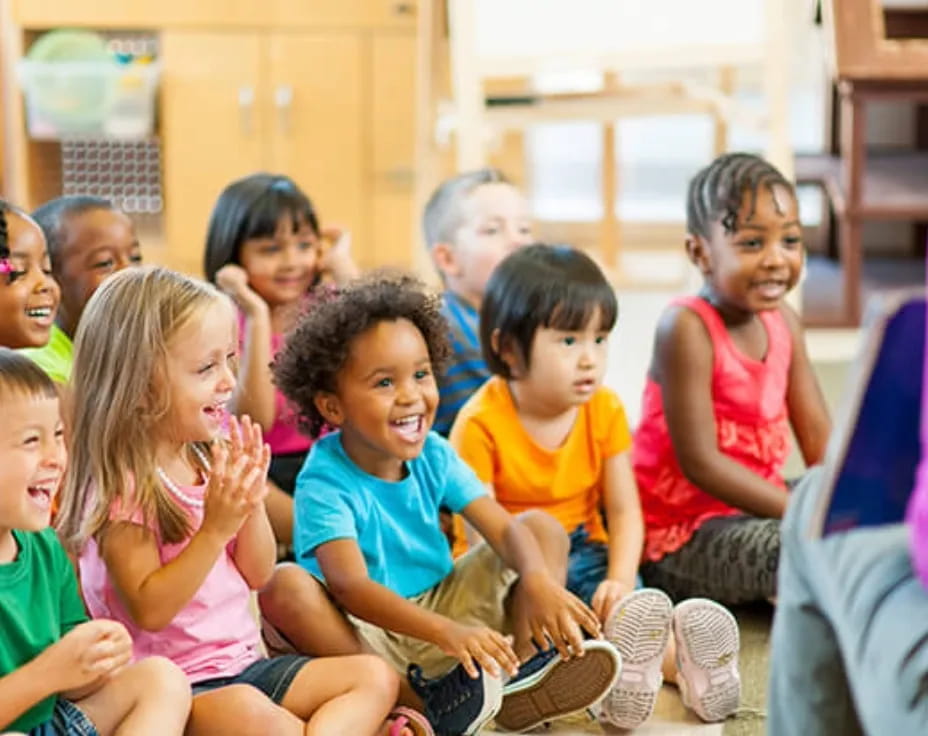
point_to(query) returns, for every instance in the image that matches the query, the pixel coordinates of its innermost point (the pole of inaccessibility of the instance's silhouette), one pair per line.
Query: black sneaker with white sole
(457, 704)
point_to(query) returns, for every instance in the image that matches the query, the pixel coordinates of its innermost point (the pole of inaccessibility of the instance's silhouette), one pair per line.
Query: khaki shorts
(474, 593)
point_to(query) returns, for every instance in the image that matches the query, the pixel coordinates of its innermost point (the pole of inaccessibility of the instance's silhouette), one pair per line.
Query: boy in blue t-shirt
(367, 504)
(59, 673)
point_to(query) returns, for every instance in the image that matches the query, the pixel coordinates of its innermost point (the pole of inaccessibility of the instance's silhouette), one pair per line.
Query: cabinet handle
(404, 8)
(283, 99)
(246, 106)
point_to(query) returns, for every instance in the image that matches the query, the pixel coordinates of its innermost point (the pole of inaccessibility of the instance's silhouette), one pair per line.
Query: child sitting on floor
(88, 240)
(544, 433)
(59, 673)
(471, 222)
(367, 505)
(265, 249)
(168, 518)
(728, 377)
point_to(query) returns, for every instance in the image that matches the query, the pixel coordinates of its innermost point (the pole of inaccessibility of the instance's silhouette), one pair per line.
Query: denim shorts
(67, 720)
(273, 676)
(587, 565)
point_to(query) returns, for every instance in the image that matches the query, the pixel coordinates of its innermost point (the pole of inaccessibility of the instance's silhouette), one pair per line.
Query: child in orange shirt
(544, 433)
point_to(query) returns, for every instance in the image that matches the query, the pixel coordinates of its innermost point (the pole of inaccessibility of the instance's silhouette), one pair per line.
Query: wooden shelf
(895, 184)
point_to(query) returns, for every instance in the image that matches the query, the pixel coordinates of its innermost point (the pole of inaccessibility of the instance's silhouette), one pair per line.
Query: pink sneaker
(639, 627)
(707, 656)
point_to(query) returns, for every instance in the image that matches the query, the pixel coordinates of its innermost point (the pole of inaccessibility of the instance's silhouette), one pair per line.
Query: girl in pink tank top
(728, 377)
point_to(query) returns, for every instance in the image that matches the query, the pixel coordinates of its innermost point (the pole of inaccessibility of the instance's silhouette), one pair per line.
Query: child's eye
(135, 258)
(569, 340)
(600, 339)
(15, 274)
(270, 249)
(752, 244)
(384, 383)
(306, 245)
(104, 265)
(792, 242)
(30, 440)
(206, 368)
(423, 373)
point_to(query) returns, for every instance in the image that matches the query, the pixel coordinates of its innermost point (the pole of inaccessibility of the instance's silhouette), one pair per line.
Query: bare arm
(255, 549)
(347, 580)
(254, 394)
(807, 410)
(683, 367)
(623, 516)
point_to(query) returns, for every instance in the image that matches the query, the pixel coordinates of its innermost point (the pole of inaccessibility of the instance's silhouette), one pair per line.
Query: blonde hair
(120, 350)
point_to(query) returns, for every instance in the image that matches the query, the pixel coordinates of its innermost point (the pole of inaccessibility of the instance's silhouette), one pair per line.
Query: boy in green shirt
(59, 673)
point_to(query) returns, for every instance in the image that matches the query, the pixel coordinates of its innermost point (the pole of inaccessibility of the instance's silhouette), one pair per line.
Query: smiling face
(32, 461)
(282, 267)
(29, 295)
(198, 375)
(94, 245)
(386, 398)
(754, 267)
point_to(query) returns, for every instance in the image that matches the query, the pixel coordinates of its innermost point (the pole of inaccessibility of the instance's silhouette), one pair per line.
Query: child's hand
(336, 259)
(556, 616)
(233, 280)
(472, 645)
(237, 481)
(608, 593)
(89, 652)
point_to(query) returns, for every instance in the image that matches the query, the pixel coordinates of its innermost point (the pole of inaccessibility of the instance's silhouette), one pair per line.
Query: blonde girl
(169, 520)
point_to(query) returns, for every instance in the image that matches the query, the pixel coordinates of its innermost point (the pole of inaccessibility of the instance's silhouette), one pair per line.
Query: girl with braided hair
(728, 378)
(28, 294)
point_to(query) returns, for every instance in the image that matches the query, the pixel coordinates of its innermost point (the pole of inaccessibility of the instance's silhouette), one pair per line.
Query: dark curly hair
(716, 192)
(317, 348)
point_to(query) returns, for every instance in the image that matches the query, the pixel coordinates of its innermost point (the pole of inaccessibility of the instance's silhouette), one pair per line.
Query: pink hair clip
(6, 266)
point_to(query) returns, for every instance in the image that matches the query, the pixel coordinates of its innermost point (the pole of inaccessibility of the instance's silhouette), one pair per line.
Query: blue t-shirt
(395, 523)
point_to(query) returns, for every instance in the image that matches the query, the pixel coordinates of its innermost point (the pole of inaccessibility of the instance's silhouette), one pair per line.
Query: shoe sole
(639, 628)
(707, 639)
(561, 688)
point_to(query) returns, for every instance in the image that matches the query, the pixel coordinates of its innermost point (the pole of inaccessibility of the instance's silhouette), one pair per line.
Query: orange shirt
(567, 482)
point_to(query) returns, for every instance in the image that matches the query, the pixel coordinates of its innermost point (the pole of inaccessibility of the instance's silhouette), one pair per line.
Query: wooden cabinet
(327, 97)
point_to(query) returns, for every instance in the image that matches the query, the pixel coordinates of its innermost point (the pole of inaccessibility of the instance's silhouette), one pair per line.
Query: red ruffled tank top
(752, 427)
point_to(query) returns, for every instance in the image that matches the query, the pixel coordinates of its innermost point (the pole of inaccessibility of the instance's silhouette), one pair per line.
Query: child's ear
(329, 406)
(697, 249)
(503, 348)
(446, 260)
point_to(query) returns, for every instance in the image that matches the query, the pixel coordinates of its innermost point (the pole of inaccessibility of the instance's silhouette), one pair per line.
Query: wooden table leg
(853, 161)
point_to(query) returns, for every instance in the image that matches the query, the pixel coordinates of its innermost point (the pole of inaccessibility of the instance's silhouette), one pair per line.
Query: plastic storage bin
(89, 98)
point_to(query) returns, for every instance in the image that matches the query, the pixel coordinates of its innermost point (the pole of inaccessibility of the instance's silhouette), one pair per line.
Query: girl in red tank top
(728, 377)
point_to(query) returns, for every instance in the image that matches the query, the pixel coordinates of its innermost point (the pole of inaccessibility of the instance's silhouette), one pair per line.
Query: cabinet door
(316, 106)
(214, 127)
(392, 131)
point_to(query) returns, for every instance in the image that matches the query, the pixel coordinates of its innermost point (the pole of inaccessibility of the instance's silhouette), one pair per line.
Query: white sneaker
(707, 657)
(639, 627)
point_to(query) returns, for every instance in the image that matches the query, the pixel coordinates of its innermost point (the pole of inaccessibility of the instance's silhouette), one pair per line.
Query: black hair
(52, 215)
(5, 208)
(20, 375)
(317, 348)
(251, 207)
(717, 191)
(541, 286)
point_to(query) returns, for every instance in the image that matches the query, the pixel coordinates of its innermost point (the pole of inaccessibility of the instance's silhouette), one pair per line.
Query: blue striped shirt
(466, 371)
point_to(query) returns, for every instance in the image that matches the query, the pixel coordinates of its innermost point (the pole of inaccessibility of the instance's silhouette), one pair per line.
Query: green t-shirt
(55, 357)
(39, 603)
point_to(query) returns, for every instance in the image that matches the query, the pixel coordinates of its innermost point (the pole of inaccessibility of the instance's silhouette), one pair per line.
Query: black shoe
(455, 703)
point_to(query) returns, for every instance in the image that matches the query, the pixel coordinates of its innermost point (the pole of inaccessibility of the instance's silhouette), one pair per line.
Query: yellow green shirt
(56, 357)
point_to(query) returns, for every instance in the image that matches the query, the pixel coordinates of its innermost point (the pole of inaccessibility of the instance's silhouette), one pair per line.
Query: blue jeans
(273, 676)
(67, 720)
(850, 633)
(587, 565)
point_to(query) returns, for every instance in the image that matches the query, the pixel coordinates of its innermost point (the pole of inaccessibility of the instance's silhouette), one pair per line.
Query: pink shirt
(214, 635)
(283, 436)
(752, 428)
